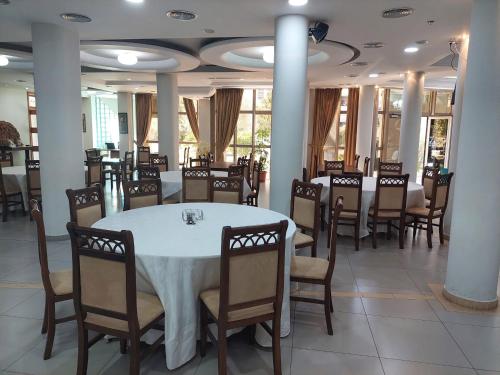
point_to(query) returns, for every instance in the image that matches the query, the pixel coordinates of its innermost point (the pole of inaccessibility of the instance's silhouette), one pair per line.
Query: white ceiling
(353, 22)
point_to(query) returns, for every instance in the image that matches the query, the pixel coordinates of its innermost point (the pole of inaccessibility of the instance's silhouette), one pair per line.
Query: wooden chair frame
(159, 161)
(253, 197)
(94, 162)
(332, 166)
(236, 171)
(33, 193)
(133, 189)
(356, 160)
(366, 167)
(83, 198)
(195, 174)
(147, 172)
(143, 155)
(9, 200)
(389, 168)
(6, 159)
(246, 163)
(199, 162)
(226, 184)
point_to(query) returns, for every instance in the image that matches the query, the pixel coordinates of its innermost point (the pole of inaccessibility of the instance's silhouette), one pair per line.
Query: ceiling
(352, 22)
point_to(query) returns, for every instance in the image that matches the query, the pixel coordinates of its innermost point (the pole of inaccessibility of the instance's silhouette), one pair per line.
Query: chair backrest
(356, 160)
(86, 206)
(33, 178)
(252, 268)
(6, 159)
(390, 194)
(226, 189)
(246, 164)
(145, 193)
(143, 153)
(161, 162)
(428, 177)
(366, 167)
(94, 170)
(440, 192)
(146, 172)
(195, 184)
(348, 186)
(236, 171)
(200, 162)
(257, 168)
(3, 192)
(211, 157)
(337, 210)
(334, 167)
(104, 280)
(92, 153)
(305, 205)
(389, 168)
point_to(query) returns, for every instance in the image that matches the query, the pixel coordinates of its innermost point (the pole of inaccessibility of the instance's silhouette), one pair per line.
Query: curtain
(228, 103)
(212, 124)
(351, 126)
(144, 112)
(192, 117)
(325, 105)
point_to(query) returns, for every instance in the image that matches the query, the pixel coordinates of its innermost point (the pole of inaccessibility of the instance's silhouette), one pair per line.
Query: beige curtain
(192, 117)
(228, 103)
(325, 105)
(144, 112)
(351, 126)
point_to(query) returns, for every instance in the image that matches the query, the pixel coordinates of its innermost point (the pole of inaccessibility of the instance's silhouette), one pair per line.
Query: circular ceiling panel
(149, 57)
(248, 53)
(17, 59)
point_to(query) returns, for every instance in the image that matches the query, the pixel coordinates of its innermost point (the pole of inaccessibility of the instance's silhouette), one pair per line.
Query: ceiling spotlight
(411, 49)
(397, 12)
(297, 3)
(127, 58)
(373, 75)
(74, 17)
(318, 32)
(135, 1)
(4, 60)
(268, 54)
(373, 45)
(129, 79)
(182, 15)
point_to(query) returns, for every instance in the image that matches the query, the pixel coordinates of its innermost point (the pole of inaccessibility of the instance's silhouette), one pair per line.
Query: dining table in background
(14, 179)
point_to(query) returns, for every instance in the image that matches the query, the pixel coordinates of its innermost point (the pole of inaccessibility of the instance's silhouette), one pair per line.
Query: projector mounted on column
(318, 32)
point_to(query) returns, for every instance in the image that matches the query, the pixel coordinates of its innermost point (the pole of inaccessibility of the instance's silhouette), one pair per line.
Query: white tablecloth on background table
(415, 198)
(15, 178)
(179, 261)
(171, 183)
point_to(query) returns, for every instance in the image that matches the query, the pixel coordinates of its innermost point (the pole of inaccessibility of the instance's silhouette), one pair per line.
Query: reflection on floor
(386, 319)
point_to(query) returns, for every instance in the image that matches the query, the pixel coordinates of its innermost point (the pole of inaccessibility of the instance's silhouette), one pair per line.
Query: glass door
(437, 141)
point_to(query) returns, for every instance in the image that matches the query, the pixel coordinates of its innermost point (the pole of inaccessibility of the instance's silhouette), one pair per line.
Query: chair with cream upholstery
(390, 205)
(226, 189)
(335, 167)
(195, 185)
(440, 190)
(246, 163)
(6, 159)
(253, 197)
(349, 186)
(251, 287)
(94, 173)
(10, 196)
(389, 168)
(161, 162)
(305, 212)
(145, 193)
(318, 271)
(58, 285)
(147, 172)
(143, 154)
(105, 294)
(366, 167)
(428, 177)
(86, 206)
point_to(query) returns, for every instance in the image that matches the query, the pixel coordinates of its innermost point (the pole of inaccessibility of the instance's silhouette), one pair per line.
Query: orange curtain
(143, 114)
(192, 117)
(325, 105)
(228, 103)
(351, 126)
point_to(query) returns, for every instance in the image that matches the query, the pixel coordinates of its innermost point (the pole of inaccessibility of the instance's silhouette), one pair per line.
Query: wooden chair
(246, 163)
(226, 189)
(305, 175)
(356, 160)
(428, 178)
(143, 154)
(6, 159)
(199, 162)
(390, 205)
(211, 157)
(10, 196)
(236, 171)
(92, 153)
(146, 172)
(86, 206)
(251, 287)
(335, 167)
(161, 162)
(350, 187)
(58, 286)
(319, 271)
(105, 295)
(389, 168)
(145, 193)
(185, 158)
(128, 166)
(33, 182)
(195, 185)
(305, 212)
(436, 210)
(366, 167)
(253, 197)
(94, 171)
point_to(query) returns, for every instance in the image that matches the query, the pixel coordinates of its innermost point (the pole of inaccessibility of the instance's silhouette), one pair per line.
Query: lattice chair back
(143, 154)
(6, 159)
(33, 178)
(226, 189)
(146, 172)
(335, 167)
(390, 195)
(428, 178)
(348, 186)
(94, 170)
(389, 169)
(86, 206)
(195, 184)
(145, 193)
(305, 204)
(442, 191)
(161, 162)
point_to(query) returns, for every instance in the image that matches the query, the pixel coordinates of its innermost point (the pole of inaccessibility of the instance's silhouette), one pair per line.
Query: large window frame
(33, 126)
(337, 150)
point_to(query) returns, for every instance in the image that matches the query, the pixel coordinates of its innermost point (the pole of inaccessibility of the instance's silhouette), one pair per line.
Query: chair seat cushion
(62, 282)
(302, 239)
(149, 308)
(211, 299)
(385, 214)
(309, 268)
(348, 215)
(421, 211)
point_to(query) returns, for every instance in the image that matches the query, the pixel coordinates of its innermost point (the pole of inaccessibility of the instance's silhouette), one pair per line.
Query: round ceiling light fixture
(373, 75)
(75, 17)
(411, 49)
(127, 58)
(397, 12)
(297, 3)
(373, 45)
(182, 15)
(4, 61)
(268, 54)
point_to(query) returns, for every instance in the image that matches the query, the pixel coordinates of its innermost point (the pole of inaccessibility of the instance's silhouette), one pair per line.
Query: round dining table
(178, 261)
(415, 198)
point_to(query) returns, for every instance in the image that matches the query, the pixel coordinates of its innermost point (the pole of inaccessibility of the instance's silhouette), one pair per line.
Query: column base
(471, 304)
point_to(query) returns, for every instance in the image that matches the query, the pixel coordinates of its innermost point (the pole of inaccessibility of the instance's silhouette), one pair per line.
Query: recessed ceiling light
(359, 63)
(136, 88)
(450, 77)
(4, 60)
(397, 12)
(297, 3)
(127, 58)
(129, 79)
(268, 54)
(411, 49)
(4, 2)
(373, 45)
(135, 1)
(27, 88)
(373, 75)
(182, 15)
(209, 31)
(74, 17)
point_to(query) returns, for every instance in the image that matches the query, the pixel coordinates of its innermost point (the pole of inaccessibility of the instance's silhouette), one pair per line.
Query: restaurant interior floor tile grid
(386, 320)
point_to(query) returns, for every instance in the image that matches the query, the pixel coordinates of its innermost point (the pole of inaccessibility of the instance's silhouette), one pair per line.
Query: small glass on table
(192, 215)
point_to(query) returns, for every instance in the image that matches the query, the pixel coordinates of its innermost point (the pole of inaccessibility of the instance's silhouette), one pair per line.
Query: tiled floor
(380, 324)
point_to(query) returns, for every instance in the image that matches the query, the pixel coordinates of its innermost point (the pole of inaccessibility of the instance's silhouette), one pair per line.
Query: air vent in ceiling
(373, 45)
(74, 17)
(397, 12)
(182, 15)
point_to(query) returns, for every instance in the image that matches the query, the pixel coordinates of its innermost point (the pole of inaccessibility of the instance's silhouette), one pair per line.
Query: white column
(411, 113)
(125, 106)
(474, 256)
(168, 118)
(365, 122)
(289, 107)
(56, 57)
(455, 128)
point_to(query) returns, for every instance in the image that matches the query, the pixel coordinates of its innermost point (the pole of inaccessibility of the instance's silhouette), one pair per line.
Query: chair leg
(83, 351)
(44, 324)
(51, 328)
(203, 329)
(415, 227)
(429, 233)
(23, 207)
(374, 233)
(441, 230)
(329, 234)
(314, 252)
(327, 304)
(123, 346)
(135, 364)
(331, 305)
(5, 208)
(222, 348)
(402, 233)
(389, 228)
(276, 348)
(356, 235)
(322, 213)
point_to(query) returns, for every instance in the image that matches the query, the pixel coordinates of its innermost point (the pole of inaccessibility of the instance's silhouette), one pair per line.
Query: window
(33, 127)
(105, 121)
(335, 144)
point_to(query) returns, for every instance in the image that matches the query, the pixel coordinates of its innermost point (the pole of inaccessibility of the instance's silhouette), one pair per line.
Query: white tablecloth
(415, 198)
(15, 178)
(171, 183)
(179, 261)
